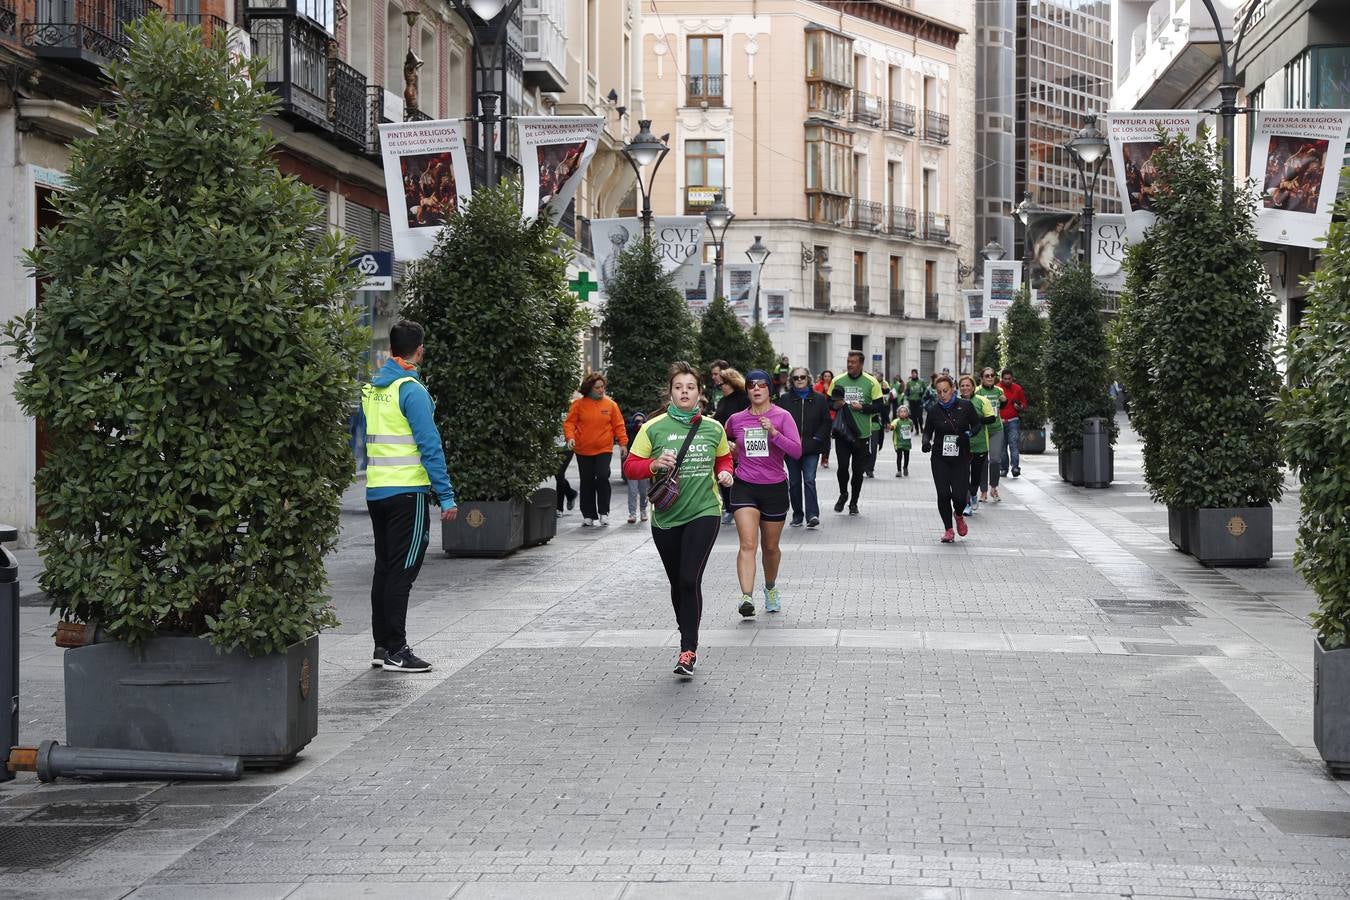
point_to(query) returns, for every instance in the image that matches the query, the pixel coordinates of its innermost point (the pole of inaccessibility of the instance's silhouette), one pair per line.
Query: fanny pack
(665, 487)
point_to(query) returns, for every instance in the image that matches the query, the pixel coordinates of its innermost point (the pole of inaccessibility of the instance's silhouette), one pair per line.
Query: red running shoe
(961, 528)
(684, 667)
(948, 537)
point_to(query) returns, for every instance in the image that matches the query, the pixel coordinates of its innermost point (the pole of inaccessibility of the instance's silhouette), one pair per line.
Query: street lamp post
(757, 254)
(490, 12)
(718, 217)
(1228, 87)
(1089, 150)
(645, 149)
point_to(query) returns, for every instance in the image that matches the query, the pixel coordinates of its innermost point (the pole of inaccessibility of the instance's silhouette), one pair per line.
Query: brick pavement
(1002, 716)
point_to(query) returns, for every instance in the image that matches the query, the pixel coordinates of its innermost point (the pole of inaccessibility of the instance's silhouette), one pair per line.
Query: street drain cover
(44, 846)
(1148, 612)
(1146, 649)
(124, 813)
(1322, 823)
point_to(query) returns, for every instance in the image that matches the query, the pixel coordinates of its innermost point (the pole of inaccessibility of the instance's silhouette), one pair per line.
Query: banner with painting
(1296, 161)
(1133, 135)
(1052, 240)
(679, 245)
(976, 320)
(554, 154)
(775, 303)
(426, 178)
(1002, 278)
(740, 282)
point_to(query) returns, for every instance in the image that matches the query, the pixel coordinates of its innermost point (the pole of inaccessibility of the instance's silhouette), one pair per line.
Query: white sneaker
(604, 521)
(587, 523)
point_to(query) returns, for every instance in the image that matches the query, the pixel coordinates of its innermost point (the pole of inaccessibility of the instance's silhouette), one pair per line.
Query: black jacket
(961, 420)
(812, 416)
(731, 404)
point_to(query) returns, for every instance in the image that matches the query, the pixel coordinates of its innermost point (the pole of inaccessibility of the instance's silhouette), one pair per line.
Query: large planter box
(179, 695)
(1228, 537)
(541, 517)
(1033, 440)
(1071, 466)
(1177, 528)
(1331, 707)
(493, 529)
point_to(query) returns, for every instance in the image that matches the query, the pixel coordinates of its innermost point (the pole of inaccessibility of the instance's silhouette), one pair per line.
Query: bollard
(9, 647)
(52, 761)
(1097, 456)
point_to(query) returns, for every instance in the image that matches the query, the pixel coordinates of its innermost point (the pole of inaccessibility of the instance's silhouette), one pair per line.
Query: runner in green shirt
(979, 442)
(990, 391)
(858, 395)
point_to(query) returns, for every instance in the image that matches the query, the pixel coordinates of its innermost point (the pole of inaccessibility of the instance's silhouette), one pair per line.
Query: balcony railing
(85, 32)
(901, 220)
(897, 302)
(348, 107)
(902, 118)
(820, 296)
(376, 115)
(867, 108)
(865, 214)
(545, 44)
(862, 300)
(296, 52)
(936, 227)
(705, 89)
(936, 127)
(8, 20)
(930, 306)
(210, 25)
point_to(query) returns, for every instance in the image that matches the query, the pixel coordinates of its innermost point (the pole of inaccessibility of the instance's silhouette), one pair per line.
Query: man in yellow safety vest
(405, 461)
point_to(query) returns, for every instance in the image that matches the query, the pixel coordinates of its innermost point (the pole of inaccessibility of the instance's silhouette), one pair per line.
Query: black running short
(770, 499)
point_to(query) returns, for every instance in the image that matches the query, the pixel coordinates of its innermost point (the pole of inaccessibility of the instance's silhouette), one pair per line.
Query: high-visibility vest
(392, 457)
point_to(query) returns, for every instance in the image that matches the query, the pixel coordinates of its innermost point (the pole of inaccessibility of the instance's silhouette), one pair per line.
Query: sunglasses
(755, 384)
(801, 377)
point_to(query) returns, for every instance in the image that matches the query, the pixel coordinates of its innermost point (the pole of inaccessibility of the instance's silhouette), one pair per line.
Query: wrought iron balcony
(211, 26)
(866, 108)
(930, 306)
(936, 227)
(902, 118)
(348, 107)
(820, 296)
(416, 115)
(936, 127)
(296, 51)
(865, 214)
(897, 302)
(704, 89)
(862, 299)
(901, 220)
(376, 115)
(84, 33)
(8, 20)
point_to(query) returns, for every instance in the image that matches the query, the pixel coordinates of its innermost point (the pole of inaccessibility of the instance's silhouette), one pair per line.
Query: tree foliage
(987, 357)
(503, 338)
(1194, 341)
(722, 336)
(194, 363)
(1022, 349)
(646, 327)
(1317, 436)
(762, 354)
(1076, 357)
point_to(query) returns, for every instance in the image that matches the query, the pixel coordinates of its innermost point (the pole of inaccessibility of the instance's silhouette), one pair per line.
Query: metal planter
(492, 529)
(541, 517)
(1242, 536)
(180, 695)
(1033, 440)
(1071, 466)
(1331, 707)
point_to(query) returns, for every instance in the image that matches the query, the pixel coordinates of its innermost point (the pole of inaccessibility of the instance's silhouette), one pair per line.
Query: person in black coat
(947, 430)
(734, 399)
(811, 411)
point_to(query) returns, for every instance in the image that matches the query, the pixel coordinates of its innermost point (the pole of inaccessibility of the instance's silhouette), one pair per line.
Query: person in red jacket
(1012, 424)
(592, 427)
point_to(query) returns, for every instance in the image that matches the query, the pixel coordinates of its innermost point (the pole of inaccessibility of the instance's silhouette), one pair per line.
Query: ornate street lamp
(495, 14)
(644, 150)
(718, 217)
(1089, 149)
(994, 250)
(757, 254)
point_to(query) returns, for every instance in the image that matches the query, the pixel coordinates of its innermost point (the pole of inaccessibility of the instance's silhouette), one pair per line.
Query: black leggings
(684, 552)
(850, 463)
(564, 489)
(594, 472)
(979, 474)
(951, 477)
(901, 459)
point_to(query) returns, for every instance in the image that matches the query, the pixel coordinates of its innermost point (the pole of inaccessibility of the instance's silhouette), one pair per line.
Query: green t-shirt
(995, 397)
(904, 433)
(698, 485)
(979, 442)
(864, 389)
(914, 389)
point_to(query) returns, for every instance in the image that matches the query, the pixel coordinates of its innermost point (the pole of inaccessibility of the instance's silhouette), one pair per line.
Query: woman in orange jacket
(592, 427)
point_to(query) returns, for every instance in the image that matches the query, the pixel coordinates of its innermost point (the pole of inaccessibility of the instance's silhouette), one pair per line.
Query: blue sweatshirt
(416, 405)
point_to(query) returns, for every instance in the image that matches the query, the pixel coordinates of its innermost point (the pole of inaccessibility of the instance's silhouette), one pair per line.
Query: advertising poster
(426, 177)
(741, 280)
(554, 154)
(976, 321)
(679, 245)
(1052, 240)
(696, 297)
(1002, 279)
(1296, 160)
(1108, 250)
(1133, 135)
(775, 303)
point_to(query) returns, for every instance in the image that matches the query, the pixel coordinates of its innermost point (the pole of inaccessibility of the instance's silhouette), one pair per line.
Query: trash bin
(9, 649)
(1098, 464)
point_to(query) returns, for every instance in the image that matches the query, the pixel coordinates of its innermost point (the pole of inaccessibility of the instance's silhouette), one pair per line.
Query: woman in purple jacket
(761, 438)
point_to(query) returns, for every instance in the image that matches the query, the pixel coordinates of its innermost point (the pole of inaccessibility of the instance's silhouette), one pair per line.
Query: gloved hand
(927, 446)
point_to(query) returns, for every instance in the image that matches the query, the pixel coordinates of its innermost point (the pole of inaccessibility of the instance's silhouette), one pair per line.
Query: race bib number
(853, 395)
(949, 445)
(905, 430)
(756, 443)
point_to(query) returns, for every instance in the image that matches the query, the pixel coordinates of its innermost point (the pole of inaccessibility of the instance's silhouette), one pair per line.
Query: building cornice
(896, 18)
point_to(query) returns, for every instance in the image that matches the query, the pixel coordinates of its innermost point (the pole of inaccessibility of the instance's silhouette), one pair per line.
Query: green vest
(392, 457)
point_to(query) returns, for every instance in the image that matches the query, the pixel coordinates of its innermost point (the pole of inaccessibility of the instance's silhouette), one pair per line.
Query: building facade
(996, 109)
(842, 134)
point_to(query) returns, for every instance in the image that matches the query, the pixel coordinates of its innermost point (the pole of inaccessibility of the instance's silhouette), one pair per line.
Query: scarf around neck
(680, 415)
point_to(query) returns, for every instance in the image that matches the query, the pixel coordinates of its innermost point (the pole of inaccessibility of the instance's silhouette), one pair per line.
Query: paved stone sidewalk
(1060, 705)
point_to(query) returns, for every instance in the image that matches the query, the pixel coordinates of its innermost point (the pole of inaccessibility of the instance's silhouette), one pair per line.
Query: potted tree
(1315, 442)
(502, 360)
(722, 336)
(1076, 374)
(194, 362)
(1022, 349)
(1194, 348)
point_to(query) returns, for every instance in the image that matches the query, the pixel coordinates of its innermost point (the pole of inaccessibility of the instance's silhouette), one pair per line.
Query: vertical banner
(1297, 157)
(1002, 278)
(426, 177)
(696, 297)
(1108, 250)
(554, 153)
(775, 306)
(741, 281)
(976, 321)
(1133, 135)
(1052, 240)
(679, 245)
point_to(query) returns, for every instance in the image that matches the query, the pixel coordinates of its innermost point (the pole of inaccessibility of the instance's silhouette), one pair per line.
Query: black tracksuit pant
(595, 487)
(684, 552)
(851, 458)
(951, 477)
(402, 525)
